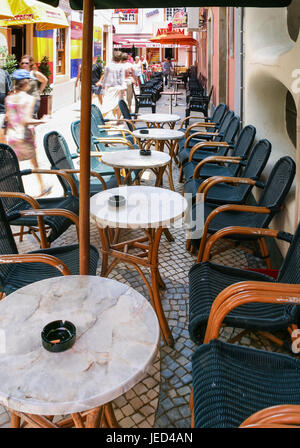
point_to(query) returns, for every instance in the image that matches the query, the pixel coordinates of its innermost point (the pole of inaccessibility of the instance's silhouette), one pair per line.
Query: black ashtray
(58, 336)
(145, 152)
(144, 131)
(116, 201)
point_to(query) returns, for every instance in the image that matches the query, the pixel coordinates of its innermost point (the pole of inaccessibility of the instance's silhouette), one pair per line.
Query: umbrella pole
(85, 137)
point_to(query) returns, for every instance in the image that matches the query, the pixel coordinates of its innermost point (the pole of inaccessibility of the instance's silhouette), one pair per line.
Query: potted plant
(8, 61)
(46, 97)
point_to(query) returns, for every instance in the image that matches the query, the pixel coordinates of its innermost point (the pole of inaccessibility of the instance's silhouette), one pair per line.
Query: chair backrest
(224, 124)
(219, 113)
(125, 112)
(232, 130)
(7, 244)
(97, 114)
(10, 177)
(75, 130)
(59, 156)
(278, 184)
(244, 140)
(257, 160)
(290, 269)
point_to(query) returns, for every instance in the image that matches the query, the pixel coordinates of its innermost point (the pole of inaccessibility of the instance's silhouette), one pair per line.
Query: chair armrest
(62, 174)
(113, 140)
(204, 142)
(207, 184)
(74, 156)
(36, 258)
(233, 230)
(92, 173)
(215, 159)
(245, 292)
(273, 417)
(225, 208)
(206, 145)
(190, 118)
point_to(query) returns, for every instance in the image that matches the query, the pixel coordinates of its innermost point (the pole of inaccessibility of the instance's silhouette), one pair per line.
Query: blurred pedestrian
(38, 81)
(5, 88)
(97, 76)
(20, 132)
(130, 79)
(137, 66)
(114, 86)
(167, 67)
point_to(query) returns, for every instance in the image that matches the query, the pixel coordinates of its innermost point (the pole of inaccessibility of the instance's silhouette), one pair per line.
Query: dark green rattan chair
(230, 382)
(270, 202)
(11, 184)
(228, 189)
(211, 123)
(240, 149)
(207, 280)
(18, 270)
(60, 158)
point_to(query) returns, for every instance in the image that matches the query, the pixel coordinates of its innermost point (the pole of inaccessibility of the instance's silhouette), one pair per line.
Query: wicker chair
(230, 382)
(18, 270)
(190, 157)
(270, 202)
(211, 123)
(14, 200)
(106, 128)
(200, 136)
(226, 188)
(207, 279)
(130, 118)
(60, 158)
(199, 103)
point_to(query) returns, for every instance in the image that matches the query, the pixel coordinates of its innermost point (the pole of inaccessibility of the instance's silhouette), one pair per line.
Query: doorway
(18, 41)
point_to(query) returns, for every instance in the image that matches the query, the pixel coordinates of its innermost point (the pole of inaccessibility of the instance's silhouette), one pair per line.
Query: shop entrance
(18, 41)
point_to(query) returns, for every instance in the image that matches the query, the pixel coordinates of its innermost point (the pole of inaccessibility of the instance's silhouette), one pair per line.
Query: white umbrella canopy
(5, 11)
(88, 7)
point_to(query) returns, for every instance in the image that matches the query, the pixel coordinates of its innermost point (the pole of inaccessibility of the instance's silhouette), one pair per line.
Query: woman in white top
(114, 86)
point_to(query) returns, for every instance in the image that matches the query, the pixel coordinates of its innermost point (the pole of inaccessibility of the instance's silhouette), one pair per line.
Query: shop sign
(127, 11)
(152, 13)
(161, 31)
(179, 19)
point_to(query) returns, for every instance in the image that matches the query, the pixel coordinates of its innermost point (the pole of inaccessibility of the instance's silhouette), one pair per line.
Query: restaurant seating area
(216, 158)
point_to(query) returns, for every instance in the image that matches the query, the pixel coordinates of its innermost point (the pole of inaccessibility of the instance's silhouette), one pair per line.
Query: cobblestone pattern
(161, 400)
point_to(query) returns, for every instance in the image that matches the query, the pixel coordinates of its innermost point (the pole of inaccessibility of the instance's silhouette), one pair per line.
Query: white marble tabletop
(145, 207)
(134, 160)
(159, 134)
(159, 118)
(117, 340)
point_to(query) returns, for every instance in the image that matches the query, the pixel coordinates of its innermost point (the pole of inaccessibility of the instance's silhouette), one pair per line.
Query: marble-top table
(149, 209)
(132, 160)
(171, 94)
(159, 120)
(116, 341)
(162, 138)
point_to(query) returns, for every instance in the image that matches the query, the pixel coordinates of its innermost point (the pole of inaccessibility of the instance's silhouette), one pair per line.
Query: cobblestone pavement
(161, 400)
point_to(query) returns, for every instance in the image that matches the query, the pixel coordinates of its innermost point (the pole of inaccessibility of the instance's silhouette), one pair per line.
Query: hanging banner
(127, 11)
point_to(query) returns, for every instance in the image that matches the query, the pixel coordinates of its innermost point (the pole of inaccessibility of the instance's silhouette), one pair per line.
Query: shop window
(171, 53)
(60, 51)
(125, 17)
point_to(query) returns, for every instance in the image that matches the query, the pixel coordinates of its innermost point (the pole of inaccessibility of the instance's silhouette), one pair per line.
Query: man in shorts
(5, 88)
(130, 78)
(97, 75)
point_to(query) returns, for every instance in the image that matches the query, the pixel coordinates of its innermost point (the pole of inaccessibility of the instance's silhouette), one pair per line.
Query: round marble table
(171, 94)
(162, 138)
(150, 209)
(116, 341)
(159, 120)
(133, 160)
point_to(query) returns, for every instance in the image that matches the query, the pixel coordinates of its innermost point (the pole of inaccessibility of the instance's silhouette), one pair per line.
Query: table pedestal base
(100, 417)
(146, 254)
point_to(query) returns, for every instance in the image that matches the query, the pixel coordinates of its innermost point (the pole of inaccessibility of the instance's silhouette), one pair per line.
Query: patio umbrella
(32, 11)
(174, 38)
(88, 7)
(5, 11)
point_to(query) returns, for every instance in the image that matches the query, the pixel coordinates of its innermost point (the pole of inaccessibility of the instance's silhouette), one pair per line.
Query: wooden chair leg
(15, 420)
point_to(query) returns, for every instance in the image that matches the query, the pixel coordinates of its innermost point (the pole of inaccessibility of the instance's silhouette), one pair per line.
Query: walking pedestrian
(114, 86)
(167, 67)
(38, 81)
(137, 67)
(97, 76)
(130, 79)
(20, 132)
(5, 88)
